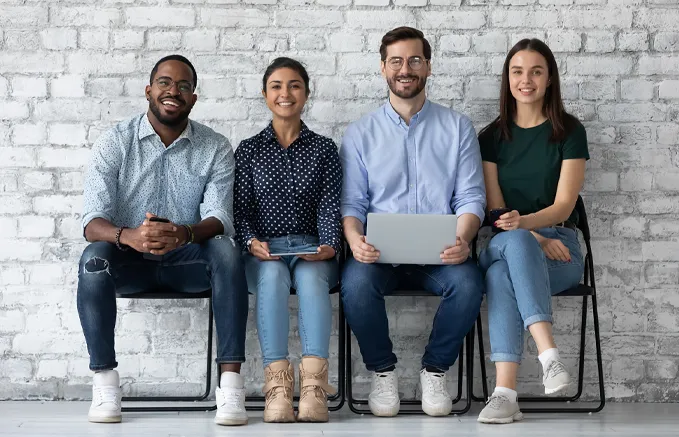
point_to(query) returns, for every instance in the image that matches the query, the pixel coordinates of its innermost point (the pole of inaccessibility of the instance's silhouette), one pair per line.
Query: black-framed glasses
(415, 62)
(165, 84)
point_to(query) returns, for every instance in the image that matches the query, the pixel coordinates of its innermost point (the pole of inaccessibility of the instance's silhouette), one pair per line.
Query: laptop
(411, 238)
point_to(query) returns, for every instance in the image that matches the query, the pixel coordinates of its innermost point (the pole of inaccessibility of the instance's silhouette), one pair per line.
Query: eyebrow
(535, 66)
(168, 77)
(280, 81)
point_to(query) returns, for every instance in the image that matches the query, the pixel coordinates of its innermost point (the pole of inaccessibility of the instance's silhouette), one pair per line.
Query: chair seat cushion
(580, 290)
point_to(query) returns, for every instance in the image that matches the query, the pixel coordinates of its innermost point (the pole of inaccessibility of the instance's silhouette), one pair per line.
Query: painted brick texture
(70, 69)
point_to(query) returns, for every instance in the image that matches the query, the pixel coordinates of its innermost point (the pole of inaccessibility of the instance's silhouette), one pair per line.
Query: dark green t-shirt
(529, 165)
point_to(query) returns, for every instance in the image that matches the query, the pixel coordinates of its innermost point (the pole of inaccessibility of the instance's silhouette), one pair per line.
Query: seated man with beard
(158, 214)
(411, 156)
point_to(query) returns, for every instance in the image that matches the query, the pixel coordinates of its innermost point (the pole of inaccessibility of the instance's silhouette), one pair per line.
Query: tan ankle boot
(314, 390)
(280, 380)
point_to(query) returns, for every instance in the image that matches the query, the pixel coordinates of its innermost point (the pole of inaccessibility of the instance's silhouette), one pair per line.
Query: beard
(170, 120)
(407, 94)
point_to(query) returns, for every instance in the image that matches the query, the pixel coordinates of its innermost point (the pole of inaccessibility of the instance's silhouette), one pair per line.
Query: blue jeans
(271, 282)
(520, 283)
(104, 271)
(364, 287)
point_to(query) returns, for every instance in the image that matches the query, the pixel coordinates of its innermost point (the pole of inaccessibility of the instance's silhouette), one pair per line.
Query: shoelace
(496, 401)
(281, 377)
(555, 368)
(437, 383)
(106, 395)
(232, 397)
(382, 386)
(313, 390)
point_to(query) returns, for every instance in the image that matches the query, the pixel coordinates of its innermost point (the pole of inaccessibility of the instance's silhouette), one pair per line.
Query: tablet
(304, 252)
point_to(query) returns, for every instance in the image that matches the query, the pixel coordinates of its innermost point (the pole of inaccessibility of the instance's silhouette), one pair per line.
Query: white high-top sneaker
(106, 396)
(436, 400)
(383, 399)
(231, 400)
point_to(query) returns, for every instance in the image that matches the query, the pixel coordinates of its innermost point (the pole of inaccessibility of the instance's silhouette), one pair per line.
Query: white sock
(511, 394)
(547, 357)
(231, 380)
(106, 378)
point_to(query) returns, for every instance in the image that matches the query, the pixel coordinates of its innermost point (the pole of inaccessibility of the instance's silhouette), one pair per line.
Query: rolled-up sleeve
(101, 179)
(469, 196)
(218, 194)
(354, 201)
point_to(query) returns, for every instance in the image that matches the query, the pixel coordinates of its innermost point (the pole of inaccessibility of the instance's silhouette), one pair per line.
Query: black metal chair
(166, 294)
(585, 290)
(358, 405)
(338, 397)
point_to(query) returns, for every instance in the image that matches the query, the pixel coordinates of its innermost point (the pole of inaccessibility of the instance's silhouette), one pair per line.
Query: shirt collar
(146, 130)
(393, 115)
(270, 135)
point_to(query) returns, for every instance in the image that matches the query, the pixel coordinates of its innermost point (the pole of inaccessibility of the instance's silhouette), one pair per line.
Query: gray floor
(69, 419)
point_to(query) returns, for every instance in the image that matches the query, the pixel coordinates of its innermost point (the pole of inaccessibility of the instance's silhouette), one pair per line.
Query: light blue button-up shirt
(432, 166)
(131, 172)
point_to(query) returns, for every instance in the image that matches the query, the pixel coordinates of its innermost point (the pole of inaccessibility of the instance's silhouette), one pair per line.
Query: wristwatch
(249, 243)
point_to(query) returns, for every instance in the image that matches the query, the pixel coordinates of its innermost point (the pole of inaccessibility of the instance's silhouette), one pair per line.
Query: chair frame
(585, 290)
(208, 375)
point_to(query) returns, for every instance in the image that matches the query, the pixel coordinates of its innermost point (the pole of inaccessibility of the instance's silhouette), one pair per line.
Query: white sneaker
(499, 409)
(436, 400)
(556, 378)
(231, 400)
(106, 398)
(383, 399)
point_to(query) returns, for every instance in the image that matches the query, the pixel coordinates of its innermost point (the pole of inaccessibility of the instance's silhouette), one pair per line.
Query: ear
(429, 68)
(147, 92)
(264, 94)
(383, 68)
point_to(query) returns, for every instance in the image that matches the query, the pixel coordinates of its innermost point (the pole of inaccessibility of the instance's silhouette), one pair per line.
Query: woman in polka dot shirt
(288, 182)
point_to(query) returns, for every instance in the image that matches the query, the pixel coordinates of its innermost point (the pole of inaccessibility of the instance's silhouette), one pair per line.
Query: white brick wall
(70, 69)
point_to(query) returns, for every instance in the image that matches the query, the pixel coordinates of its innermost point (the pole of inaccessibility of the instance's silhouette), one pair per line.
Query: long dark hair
(562, 122)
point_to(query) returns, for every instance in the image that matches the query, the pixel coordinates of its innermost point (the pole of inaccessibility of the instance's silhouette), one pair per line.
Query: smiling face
(171, 106)
(286, 93)
(528, 77)
(406, 82)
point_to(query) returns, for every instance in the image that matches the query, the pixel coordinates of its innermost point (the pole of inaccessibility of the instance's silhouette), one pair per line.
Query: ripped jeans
(104, 271)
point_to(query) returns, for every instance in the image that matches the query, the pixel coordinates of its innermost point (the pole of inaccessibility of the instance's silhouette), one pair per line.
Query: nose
(405, 68)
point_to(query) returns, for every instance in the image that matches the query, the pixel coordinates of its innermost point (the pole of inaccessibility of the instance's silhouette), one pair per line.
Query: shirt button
(412, 209)
(411, 185)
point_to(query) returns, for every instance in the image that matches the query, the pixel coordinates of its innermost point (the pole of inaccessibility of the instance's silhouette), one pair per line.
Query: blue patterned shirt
(432, 166)
(131, 172)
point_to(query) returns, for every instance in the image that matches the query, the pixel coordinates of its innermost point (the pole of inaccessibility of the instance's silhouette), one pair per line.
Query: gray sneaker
(556, 378)
(499, 409)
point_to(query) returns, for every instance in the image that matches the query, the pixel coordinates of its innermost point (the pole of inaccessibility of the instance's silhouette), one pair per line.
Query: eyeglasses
(165, 84)
(415, 62)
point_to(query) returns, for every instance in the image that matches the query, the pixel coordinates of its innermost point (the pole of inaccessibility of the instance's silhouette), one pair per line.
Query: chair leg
(341, 359)
(482, 361)
(580, 372)
(208, 384)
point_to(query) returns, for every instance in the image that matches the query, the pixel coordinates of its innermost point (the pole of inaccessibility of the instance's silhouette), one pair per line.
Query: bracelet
(190, 235)
(118, 234)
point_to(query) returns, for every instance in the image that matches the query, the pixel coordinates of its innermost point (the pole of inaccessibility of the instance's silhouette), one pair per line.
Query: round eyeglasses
(165, 84)
(415, 62)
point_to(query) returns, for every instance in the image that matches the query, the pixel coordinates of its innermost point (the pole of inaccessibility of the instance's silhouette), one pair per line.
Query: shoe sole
(113, 419)
(433, 411)
(551, 391)
(224, 421)
(385, 411)
(502, 420)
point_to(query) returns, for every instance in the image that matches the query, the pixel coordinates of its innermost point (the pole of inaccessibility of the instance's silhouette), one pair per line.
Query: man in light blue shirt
(416, 157)
(158, 214)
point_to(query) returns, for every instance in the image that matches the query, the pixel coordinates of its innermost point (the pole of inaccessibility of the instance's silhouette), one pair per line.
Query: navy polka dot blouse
(281, 191)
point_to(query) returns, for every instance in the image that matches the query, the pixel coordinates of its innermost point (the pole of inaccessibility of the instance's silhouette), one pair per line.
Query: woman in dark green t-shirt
(534, 157)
